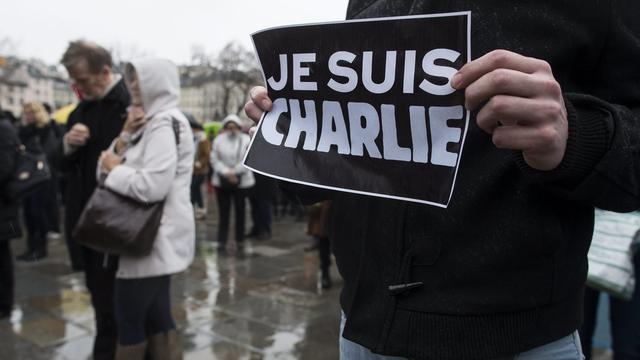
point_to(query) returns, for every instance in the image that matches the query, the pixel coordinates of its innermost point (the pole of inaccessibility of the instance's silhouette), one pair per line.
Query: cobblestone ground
(266, 304)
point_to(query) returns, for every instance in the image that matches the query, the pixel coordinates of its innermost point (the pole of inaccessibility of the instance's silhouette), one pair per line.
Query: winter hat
(231, 118)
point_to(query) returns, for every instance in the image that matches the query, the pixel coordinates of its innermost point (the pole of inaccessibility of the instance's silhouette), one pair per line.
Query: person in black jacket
(92, 126)
(9, 222)
(261, 199)
(38, 136)
(52, 202)
(554, 90)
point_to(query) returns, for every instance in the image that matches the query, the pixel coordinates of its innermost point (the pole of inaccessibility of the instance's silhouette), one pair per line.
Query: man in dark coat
(261, 199)
(92, 126)
(554, 91)
(9, 222)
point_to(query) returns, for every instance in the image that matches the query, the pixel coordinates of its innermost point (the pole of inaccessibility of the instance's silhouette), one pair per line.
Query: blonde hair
(40, 114)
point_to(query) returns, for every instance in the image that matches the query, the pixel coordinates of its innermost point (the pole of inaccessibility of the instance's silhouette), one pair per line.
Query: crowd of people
(117, 138)
(498, 274)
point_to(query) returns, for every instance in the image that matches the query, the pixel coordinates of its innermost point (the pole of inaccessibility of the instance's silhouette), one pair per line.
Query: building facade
(22, 81)
(208, 95)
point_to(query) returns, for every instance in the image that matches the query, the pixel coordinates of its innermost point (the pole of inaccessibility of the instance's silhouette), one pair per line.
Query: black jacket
(104, 118)
(503, 267)
(9, 142)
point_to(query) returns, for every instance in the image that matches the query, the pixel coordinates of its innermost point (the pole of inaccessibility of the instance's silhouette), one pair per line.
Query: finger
(75, 140)
(497, 59)
(81, 134)
(524, 138)
(80, 128)
(509, 82)
(252, 131)
(138, 111)
(260, 97)
(253, 111)
(511, 110)
(75, 132)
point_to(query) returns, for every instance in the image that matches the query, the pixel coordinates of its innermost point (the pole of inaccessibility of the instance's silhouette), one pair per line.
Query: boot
(131, 352)
(166, 346)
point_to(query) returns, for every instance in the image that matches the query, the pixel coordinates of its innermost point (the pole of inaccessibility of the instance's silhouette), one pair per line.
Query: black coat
(265, 188)
(104, 118)
(9, 142)
(42, 140)
(503, 267)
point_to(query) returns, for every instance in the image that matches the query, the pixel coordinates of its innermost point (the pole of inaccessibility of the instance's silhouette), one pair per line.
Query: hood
(232, 118)
(159, 85)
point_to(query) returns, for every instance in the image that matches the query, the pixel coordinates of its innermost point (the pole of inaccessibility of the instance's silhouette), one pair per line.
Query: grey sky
(42, 29)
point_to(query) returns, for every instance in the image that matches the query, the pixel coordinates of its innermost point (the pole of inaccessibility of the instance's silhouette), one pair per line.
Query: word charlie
(353, 126)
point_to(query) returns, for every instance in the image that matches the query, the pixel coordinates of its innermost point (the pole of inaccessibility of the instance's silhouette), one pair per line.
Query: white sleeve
(151, 183)
(216, 163)
(240, 169)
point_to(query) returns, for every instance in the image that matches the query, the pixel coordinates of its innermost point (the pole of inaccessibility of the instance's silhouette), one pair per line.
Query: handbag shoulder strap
(176, 129)
(175, 125)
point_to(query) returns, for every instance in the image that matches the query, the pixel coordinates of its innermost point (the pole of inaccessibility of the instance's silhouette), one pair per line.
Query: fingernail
(266, 104)
(457, 79)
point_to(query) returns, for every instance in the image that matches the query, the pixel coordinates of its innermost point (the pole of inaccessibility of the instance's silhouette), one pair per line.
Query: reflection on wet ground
(266, 304)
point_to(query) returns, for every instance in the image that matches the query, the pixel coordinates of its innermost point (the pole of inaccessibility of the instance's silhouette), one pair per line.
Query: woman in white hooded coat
(231, 178)
(152, 161)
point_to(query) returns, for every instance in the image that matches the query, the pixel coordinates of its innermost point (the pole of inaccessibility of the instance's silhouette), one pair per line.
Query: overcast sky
(170, 29)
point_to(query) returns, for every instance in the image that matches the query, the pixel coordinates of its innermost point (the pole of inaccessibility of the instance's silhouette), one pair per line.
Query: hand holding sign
(259, 103)
(523, 105)
(373, 107)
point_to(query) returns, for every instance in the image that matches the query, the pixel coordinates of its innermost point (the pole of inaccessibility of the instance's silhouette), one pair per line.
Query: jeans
(196, 190)
(624, 317)
(567, 348)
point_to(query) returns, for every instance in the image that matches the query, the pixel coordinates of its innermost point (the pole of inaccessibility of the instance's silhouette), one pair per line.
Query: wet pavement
(266, 304)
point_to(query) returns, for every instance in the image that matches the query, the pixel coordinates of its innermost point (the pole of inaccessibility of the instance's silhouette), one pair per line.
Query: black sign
(365, 106)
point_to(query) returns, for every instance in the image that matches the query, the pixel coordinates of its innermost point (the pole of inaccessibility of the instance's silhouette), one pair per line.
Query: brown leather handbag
(118, 225)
